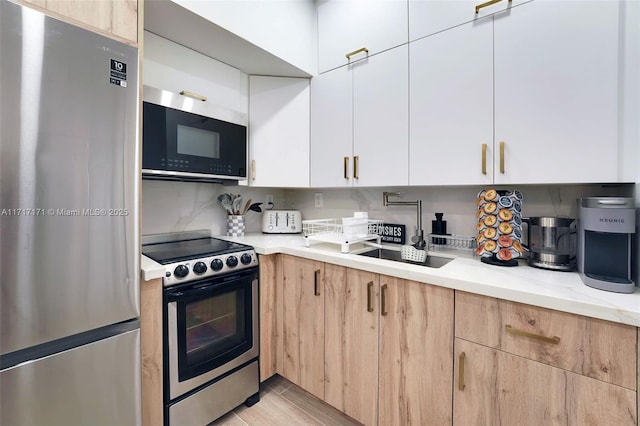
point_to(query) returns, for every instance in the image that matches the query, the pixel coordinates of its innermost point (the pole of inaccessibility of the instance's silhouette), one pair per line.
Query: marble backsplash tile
(186, 206)
(457, 203)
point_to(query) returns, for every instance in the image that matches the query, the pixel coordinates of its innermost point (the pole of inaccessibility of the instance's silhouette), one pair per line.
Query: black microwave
(184, 138)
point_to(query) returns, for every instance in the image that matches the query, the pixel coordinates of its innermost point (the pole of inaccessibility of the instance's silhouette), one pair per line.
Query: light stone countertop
(563, 291)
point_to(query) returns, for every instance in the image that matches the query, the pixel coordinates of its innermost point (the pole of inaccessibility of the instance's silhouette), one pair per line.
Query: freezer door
(69, 186)
(95, 384)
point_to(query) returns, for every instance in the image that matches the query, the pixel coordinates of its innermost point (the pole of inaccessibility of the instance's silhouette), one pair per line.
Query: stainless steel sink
(430, 261)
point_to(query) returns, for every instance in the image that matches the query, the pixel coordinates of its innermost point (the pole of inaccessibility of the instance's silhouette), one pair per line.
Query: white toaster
(281, 222)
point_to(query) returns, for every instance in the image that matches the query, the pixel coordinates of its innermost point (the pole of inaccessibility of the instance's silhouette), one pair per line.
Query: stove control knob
(232, 261)
(216, 264)
(200, 268)
(181, 271)
(245, 259)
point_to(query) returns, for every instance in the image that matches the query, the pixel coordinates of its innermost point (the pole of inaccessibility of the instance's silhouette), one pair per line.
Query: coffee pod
(490, 207)
(517, 246)
(517, 220)
(505, 202)
(505, 241)
(491, 195)
(517, 206)
(517, 195)
(505, 228)
(490, 233)
(505, 215)
(504, 254)
(490, 246)
(517, 233)
(490, 220)
(480, 226)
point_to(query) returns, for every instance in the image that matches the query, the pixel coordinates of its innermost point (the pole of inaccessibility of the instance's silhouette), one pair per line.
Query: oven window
(214, 327)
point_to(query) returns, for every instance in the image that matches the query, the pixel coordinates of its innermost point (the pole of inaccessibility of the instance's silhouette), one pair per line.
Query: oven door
(212, 328)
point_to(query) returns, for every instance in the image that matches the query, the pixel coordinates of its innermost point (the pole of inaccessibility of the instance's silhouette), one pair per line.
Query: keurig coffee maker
(605, 229)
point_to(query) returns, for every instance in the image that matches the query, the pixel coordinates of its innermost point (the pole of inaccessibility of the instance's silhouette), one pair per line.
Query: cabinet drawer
(591, 347)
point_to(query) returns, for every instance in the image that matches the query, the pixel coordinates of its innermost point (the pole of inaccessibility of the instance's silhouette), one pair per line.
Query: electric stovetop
(180, 246)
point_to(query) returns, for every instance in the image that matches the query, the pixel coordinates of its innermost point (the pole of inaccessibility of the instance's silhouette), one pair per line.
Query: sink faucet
(418, 237)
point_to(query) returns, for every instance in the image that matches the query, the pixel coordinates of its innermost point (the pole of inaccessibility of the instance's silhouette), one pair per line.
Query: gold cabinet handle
(346, 168)
(370, 296)
(194, 95)
(502, 157)
(461, 371)
(553, 340)
(253, 169)
(356, 161)
(383, 300)
(484, 158)
(316, 278)
(489, 3)
(355, 52)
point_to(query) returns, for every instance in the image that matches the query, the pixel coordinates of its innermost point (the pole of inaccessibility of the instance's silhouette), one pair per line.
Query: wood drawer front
(594, 348)
(500, 389)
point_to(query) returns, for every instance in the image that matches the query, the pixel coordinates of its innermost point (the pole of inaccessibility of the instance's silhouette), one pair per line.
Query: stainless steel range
(210, 320)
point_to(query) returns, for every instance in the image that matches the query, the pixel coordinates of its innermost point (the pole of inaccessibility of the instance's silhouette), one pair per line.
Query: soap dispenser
(439, 227)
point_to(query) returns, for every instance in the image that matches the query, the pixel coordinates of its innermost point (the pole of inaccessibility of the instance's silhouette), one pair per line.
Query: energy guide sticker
(118, 73)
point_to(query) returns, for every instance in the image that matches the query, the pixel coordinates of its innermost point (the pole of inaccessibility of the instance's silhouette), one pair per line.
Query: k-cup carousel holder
(499, 238)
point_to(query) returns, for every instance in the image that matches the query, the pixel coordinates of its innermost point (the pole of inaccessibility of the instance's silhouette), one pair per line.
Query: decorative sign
(393, 233)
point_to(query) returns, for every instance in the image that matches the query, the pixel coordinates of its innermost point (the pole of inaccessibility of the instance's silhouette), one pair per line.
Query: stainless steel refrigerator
(69, 249)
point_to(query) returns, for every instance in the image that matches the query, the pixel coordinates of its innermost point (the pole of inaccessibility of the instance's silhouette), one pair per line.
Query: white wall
(285, 28)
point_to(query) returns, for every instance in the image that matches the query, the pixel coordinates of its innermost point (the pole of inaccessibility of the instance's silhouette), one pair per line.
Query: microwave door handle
(277, 216)
(287, 220)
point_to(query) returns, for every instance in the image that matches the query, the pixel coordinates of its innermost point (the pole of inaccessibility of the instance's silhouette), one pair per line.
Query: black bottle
(439, 227)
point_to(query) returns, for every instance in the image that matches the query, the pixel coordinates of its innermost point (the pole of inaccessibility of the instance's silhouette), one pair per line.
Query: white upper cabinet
(381, 119)
(428, 17)
(279, 132)
(359, 123)
(538, 84)
(451, 107)
(331, 128)
(556, 92)
(347, 26)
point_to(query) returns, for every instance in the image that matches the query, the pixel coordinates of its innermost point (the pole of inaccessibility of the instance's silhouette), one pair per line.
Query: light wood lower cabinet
(496, 388)
(303, 323)
(270, 316)
(591, 347)
(351, 342)
(381, 349)
(416, 343)
(388, 346)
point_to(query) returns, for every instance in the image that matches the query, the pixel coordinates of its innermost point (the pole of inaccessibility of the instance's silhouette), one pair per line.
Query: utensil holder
(235, 225)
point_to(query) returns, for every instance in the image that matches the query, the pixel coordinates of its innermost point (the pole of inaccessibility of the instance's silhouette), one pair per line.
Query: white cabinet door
(556, 92)
(428, 17)
(348, 25)
(331, 128)
(279, 131)
(451, 106)
(381, 119)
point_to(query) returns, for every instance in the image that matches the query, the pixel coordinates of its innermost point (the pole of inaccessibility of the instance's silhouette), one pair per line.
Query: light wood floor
(284, 404)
